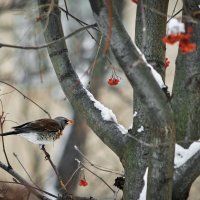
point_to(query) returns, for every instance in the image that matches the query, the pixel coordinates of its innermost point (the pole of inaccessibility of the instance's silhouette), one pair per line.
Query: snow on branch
(155, 74)
(144, 190)
(106, 113)
(182, 155)
(175, 27)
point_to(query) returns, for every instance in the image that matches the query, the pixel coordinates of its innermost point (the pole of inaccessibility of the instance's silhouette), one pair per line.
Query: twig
(174, 7)
(96, 166)
(15, 182)
(72, 176)
(75, 18)
(22, 180)
(47, 157)
(97, 53)
(6, 93)
(25, 97)
(2, 121)
(50, 43)
(66, 9)
(175, 14)
(15, 155)
(115, 194)
(84, 166)
(83, 23)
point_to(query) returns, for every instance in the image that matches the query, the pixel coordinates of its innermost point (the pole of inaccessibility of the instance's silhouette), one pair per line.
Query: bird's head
(63, 121)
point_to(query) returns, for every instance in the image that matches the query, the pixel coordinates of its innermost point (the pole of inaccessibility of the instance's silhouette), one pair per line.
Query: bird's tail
(9, 133)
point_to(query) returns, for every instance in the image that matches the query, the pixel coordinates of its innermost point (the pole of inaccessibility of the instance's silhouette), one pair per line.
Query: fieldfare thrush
(41, 131)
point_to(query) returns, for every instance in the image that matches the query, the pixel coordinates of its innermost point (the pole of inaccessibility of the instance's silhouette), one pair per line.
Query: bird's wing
(40, 125)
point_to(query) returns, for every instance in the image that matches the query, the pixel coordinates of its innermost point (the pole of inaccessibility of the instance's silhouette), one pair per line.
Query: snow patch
(144, 190)
(122, 129)
(182, 155)
(141, 129)
(157, 77)
(106, 113)
(135, 114)
(155, 74)
(175, 27)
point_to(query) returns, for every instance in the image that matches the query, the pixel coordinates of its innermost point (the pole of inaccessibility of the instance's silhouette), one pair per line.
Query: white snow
(122, 129)
(106, 113)
(141, 129)
(175, 27)
(182, 155)
(135, 114)
(144, 190)
(157, 77)
(155, 74)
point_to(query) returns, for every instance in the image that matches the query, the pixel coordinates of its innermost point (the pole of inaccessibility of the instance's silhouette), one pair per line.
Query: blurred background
(31, 72)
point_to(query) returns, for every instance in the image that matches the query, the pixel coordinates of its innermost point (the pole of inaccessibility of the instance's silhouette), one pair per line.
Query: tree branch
(50, 43)
(184, 176)
(108, 130)
(21, 180)
(186, 90)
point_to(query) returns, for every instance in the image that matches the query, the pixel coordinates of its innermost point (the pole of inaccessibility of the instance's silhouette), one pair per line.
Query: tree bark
(186, 103)
(186, 89)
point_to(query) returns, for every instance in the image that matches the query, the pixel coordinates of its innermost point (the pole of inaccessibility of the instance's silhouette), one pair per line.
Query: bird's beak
(70, 122)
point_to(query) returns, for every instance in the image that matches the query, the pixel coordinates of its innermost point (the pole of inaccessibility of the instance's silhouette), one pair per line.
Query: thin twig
(84, 166)
(17, 183)
(47, 157)
(2, 121)
(77, 19)
(175, 14)
(15, 155)
(96, 166)
(115, 194)
(174, 7)
(21, 180)
(7, 93)
(25, 97)
(66, 9)
(72, 176)
(48, 44)
(91, 68)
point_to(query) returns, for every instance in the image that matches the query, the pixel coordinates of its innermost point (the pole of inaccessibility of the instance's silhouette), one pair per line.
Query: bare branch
(15, 155)
(36, 188)
(47, 157)
(84, 166)
(2, 121)
(21, 180)
(50, 43)
(26, 97)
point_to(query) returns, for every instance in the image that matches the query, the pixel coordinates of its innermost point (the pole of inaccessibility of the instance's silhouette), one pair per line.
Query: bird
(41, 131)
